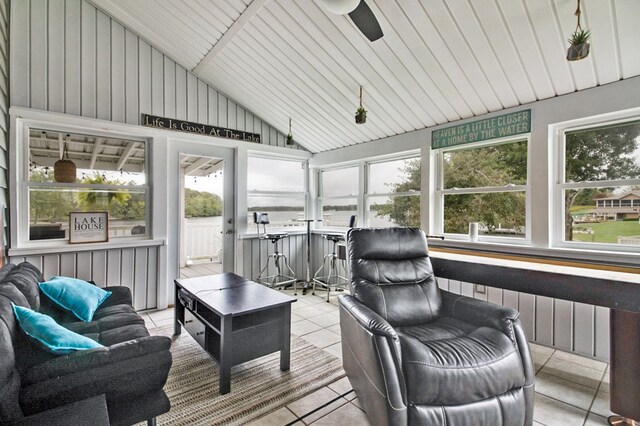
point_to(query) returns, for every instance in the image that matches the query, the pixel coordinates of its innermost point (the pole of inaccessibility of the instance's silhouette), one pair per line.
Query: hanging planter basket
(289, 139)
(64, 171)
(577, 51)
(361, 117)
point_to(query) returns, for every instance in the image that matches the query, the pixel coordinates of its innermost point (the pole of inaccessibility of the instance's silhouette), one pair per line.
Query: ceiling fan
(360, 14)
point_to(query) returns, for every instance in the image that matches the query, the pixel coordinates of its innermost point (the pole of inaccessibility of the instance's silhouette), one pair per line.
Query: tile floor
(570, 390)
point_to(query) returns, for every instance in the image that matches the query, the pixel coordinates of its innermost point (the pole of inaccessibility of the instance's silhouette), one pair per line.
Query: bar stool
(332, 260)
(278, 279)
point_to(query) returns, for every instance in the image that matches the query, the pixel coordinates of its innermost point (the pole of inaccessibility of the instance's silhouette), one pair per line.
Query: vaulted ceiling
(439, 60)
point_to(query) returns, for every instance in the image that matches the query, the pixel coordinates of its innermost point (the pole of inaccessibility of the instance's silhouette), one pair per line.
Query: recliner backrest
(391, 274)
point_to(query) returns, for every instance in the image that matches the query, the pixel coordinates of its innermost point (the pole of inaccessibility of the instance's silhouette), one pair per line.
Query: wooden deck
(200, 270)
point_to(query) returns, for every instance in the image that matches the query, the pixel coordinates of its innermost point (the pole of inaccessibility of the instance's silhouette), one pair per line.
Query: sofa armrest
(88, 412)
(372, 359)
(479, 312)
(120, 295)
(136, 367)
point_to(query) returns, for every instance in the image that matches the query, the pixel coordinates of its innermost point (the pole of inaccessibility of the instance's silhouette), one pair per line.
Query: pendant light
(64, 170)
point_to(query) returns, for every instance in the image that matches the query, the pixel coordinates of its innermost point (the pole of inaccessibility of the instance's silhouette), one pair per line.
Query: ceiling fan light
(341, 7)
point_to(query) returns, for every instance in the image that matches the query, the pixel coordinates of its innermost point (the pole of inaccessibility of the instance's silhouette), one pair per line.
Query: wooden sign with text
(501, 126)
(197, 128)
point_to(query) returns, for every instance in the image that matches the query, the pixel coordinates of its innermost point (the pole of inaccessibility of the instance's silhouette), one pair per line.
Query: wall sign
(88, 227)
(501, 126)
(200, 129)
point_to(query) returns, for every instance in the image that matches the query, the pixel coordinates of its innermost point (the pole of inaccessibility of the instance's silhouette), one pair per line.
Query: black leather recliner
(419, 355)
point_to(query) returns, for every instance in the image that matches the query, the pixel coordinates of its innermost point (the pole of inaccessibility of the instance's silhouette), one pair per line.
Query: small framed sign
(88, 227)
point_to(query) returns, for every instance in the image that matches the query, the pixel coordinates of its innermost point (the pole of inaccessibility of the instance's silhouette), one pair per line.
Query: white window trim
(557, 134)
(322, 199)
(440, 193)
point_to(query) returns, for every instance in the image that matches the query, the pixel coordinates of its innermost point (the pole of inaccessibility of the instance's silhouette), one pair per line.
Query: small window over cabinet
(69, 172)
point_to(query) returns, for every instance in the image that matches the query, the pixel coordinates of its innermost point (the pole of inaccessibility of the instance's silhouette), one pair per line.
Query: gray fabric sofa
(130, 370)
(419, 355)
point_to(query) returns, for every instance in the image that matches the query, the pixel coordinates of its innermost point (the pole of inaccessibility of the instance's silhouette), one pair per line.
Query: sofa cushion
(25, 277)
(54, 337)
(458, 362)
(120, 334)
(75, 295)
(108, 322)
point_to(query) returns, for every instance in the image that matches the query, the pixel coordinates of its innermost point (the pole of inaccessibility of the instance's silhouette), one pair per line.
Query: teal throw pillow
(75, 295)
(51, 335)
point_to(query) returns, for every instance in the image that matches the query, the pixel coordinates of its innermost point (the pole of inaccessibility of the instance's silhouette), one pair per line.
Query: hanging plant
(361, 113)
(289, 135)
(579, 40)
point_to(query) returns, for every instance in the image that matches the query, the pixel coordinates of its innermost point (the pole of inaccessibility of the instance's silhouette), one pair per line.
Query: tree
(102, 200)
(201, 204)
(403, 211)
(598, 154)
(47, 204)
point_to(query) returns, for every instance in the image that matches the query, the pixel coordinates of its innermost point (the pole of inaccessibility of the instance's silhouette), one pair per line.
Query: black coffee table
(234, 319)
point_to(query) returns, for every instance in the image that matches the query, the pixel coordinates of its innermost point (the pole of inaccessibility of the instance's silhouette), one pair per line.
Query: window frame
(559, 132)
(24, 184)
(441, 192)
(322, 198)
(251, 228)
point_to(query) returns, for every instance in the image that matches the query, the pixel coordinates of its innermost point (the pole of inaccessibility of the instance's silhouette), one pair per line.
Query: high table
(308, 278)
(618, 291)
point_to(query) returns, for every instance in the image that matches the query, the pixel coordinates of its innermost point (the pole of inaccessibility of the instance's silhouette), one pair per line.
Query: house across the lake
(620, 207)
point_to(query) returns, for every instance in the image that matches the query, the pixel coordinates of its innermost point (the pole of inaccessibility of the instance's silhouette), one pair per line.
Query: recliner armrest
(479, 312)
(368, 319)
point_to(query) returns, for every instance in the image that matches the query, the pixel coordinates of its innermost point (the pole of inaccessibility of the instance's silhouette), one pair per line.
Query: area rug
(257, 387)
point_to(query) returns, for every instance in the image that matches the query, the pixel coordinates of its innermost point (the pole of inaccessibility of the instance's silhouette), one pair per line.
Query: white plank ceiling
(439, 60)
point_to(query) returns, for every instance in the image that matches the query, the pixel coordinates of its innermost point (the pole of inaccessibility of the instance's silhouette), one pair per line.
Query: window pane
(283, 211)
(97, 160)
(338, 212)
(49, 210)
(394, 211)
(498, 213)
(487, 166)
(603, 215)
(605, 153)
(269, 174)
(339, 182)
(394, 176)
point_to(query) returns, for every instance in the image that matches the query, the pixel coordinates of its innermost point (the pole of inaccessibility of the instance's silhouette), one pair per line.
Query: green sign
(501, 126)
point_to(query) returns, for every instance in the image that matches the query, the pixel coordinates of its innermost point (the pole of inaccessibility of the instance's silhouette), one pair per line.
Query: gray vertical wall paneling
(248, 121)
(140, 277)
(203, 102)
(222, 110)
(68, 264)
(584, 328)
(72, 57)
(103, 66)
(4, 113)
(38, 52)
(563, 324)
(152, 277)
(88, 54)
(212, 106)
(157, 83)
(34, 260)
(126, 271)
(169, 87)
(131, 78)
(55, 55)
(99, 268)
(231, 113)
(113, 267)
(84, 266)
(544, 320)
(50, 266)
(118, 53)
(192, 97)
(240, 118)
(527, 308)
(601, 343)
(144, 77)
(20, 58)
(181, 93)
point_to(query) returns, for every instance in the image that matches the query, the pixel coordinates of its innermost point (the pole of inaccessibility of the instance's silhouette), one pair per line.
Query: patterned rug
(257, 387)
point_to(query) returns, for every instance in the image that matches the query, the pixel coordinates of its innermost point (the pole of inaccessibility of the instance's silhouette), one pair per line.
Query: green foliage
(403, 211)
(579, 37)
(201, 204)
(607, 232)
(45, 204)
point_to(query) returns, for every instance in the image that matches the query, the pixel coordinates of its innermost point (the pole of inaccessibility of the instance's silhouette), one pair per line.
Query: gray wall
(4, 118)
(69, 57)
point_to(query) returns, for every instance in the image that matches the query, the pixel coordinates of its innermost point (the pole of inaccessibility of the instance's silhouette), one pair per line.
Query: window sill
(57, 247)
(250, 235)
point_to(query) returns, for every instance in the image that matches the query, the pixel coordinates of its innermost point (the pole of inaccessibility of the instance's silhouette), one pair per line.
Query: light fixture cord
(578, 12)
(289, 125)
(361, 92)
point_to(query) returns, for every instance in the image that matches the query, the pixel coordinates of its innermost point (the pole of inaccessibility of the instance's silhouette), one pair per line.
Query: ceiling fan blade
(366, 21)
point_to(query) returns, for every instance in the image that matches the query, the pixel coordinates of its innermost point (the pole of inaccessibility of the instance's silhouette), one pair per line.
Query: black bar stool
(279, 279)
(332, 260)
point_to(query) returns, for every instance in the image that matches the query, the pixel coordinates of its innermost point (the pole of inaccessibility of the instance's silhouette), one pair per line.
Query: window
(487, 184)
(393, 193)
(599, 187)
(279, 187)
(110, 176)
(338, 196)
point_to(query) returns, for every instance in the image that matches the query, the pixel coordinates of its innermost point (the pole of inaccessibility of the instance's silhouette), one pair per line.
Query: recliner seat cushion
(451, 362)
